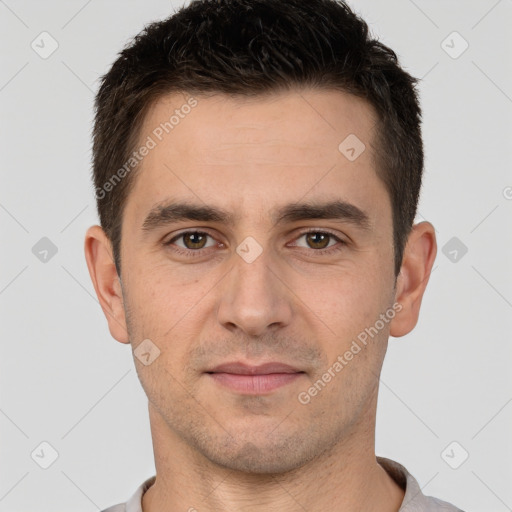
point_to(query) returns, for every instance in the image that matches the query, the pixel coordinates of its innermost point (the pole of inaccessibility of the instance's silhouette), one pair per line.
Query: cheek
(164, 305)
(350, 307)
(348, 301)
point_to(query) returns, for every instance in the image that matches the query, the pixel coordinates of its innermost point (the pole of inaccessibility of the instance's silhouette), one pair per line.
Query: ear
(419, 255)
(107, 284)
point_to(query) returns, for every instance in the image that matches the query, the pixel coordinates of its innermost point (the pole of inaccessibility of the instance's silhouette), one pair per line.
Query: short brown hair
(248, 48)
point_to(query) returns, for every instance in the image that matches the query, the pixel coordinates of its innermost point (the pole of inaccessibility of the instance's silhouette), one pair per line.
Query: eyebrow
(167, 213)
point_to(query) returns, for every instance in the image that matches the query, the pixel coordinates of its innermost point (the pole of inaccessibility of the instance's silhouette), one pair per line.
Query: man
(257, 166)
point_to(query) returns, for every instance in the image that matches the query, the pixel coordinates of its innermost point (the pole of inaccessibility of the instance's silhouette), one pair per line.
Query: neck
(346, 477)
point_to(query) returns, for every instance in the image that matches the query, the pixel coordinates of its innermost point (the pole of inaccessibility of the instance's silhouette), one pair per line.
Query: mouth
(254, 380)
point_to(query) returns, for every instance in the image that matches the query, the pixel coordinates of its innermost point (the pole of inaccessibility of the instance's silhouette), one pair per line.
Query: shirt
(414, 500)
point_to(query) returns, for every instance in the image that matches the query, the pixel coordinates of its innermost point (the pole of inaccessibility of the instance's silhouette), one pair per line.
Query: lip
(254, 380)
(240, 368)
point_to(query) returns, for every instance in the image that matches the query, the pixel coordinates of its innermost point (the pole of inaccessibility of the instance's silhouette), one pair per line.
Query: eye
(192, 240)
(320, 241)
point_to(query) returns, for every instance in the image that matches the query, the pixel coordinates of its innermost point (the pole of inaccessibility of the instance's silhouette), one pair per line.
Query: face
(249, 238)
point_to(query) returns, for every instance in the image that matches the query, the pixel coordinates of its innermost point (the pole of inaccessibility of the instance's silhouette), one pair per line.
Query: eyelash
(193, 253)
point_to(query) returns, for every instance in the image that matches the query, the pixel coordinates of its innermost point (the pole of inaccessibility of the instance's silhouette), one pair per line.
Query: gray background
(65, 381)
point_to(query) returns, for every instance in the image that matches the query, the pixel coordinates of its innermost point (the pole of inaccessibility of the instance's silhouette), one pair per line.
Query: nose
(254, 298)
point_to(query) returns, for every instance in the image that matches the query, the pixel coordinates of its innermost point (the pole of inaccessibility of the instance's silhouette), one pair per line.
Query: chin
(262, 457)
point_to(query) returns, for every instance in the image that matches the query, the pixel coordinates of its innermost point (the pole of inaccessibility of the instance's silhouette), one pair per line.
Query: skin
(219, 449)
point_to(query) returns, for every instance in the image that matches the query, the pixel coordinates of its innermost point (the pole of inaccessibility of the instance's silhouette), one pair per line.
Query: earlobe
(100, 262)
(418, 259)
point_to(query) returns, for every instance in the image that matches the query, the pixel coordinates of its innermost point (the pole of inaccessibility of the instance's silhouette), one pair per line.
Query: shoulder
(437, 505)
(414, 499)
(134, 504)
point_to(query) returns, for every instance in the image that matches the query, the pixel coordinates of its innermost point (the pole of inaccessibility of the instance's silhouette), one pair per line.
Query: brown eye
(318, 240)
(194, 240)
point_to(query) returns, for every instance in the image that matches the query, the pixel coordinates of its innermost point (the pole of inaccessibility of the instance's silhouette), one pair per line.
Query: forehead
(256, 151)
(319, 117)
